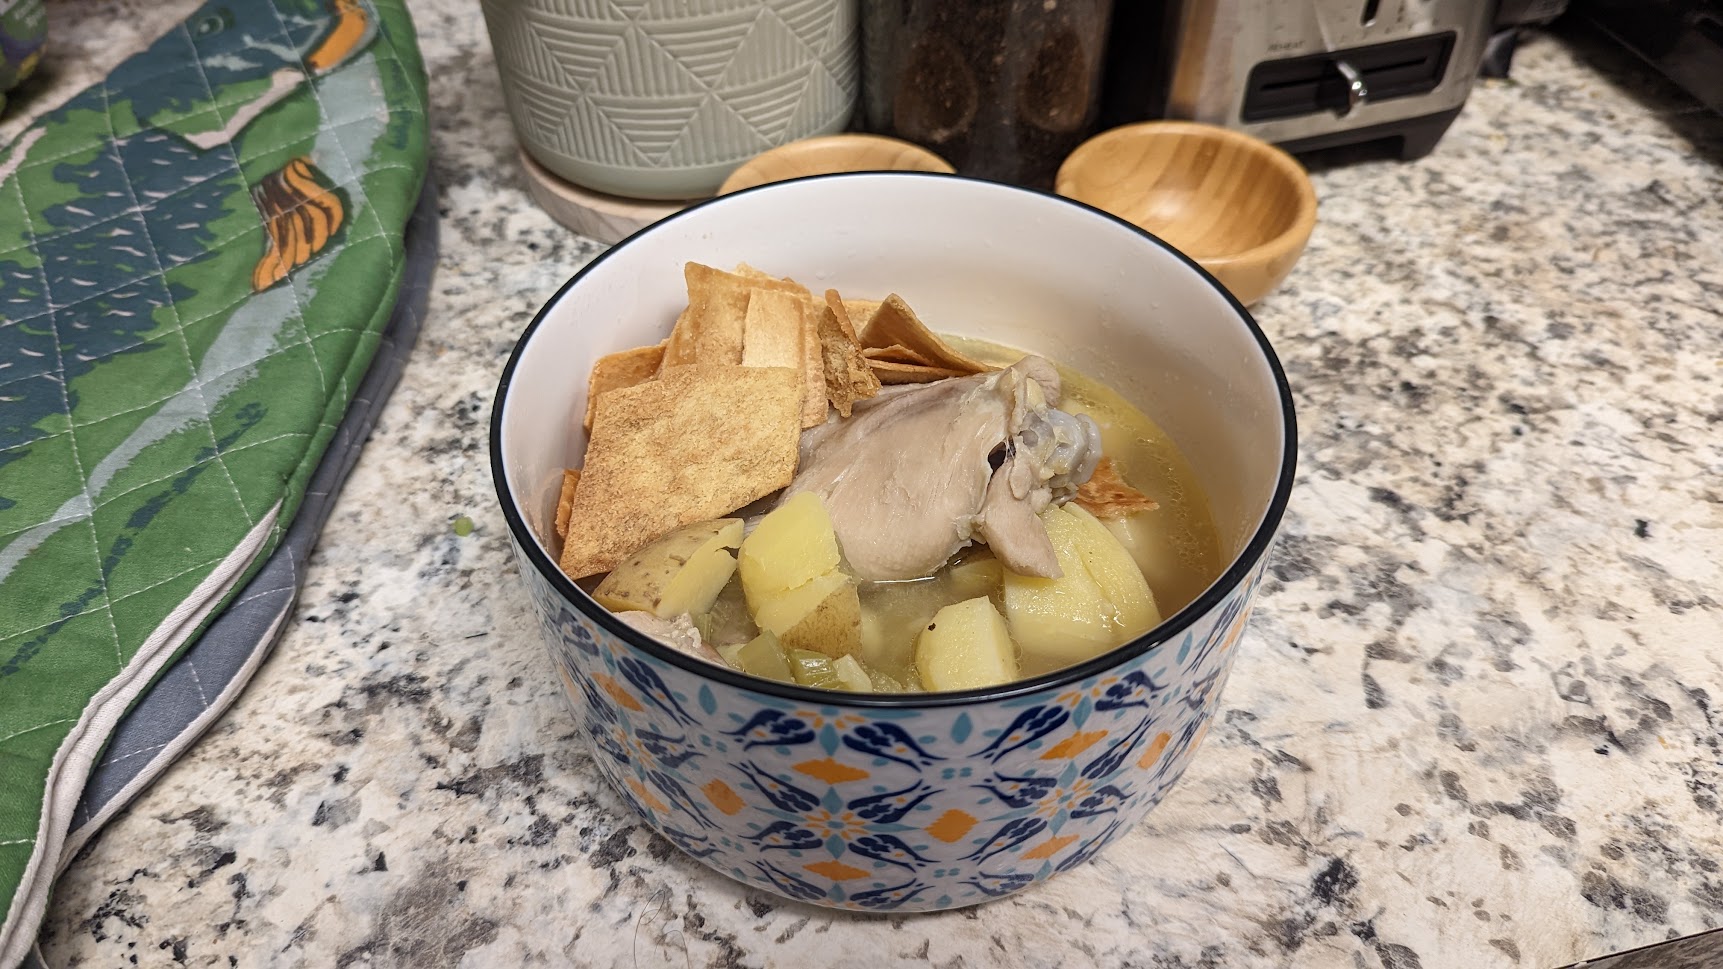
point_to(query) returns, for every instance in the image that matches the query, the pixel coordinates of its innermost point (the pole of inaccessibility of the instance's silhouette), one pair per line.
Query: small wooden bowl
(833, 153)
(1239, 206)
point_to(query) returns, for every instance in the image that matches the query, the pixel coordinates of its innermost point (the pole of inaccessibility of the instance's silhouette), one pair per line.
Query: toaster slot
(1305, 85)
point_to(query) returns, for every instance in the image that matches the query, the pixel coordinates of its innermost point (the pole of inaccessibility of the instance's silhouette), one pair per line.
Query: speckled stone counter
(1475, 722)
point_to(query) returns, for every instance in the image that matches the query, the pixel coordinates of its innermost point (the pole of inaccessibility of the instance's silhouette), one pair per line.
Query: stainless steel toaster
(1307, 74)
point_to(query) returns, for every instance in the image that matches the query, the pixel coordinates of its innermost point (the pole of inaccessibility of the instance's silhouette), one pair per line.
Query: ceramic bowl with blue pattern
(929, 801)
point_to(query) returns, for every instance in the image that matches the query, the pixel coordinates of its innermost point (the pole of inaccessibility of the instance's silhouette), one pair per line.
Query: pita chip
(861, 310)
(895, 354)
(565, 501)
(618, 370)
(772, 329)
(895, 324)
(765, 280)
(892, 372)
(848, 376)
(815, 404)
(710, 330)
(1106, 495)
(698, 442)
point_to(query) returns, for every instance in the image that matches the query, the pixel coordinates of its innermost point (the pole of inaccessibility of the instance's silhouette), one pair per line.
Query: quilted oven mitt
(196, 258)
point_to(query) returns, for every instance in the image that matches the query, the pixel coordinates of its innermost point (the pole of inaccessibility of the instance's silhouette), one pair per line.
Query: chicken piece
(678, 634)
(921, 470)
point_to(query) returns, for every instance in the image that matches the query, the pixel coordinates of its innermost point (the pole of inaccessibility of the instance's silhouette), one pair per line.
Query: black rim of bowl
(1170, 628)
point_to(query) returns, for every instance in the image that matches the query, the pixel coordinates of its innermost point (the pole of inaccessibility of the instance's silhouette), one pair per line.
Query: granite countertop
(1475, 722)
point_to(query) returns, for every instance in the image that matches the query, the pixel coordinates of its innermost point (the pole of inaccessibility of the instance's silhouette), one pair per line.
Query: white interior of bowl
(974, 258)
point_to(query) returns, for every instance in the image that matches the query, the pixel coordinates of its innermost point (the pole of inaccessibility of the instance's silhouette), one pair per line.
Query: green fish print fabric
(196, 258)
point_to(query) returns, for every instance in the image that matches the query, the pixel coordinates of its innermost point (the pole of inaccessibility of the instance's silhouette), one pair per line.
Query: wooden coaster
(606, 218)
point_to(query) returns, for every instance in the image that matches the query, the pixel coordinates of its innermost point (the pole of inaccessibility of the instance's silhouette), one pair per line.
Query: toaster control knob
(1356, 89)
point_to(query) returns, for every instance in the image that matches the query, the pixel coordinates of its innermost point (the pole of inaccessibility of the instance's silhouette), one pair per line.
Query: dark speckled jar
(1003, 89)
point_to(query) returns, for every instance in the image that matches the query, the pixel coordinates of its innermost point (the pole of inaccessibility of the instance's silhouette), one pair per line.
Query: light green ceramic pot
(661, 99)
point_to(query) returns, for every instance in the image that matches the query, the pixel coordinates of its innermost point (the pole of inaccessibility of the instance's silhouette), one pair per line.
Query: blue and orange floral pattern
(889, 809)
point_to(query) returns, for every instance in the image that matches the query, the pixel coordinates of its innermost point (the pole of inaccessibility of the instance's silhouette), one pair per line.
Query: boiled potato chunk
(791, 546)
(823, 615)
(973, 577)
(683, 572)
(966, 646)
(1066, 619)
(1098, 603)
(834, 628)
(1144, 535)
(1116, 572)
(776, 614)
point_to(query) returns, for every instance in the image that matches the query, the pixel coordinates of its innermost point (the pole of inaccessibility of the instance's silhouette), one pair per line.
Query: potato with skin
(966, 646)
(823, 615)
(833, 628)
(683, 572)
(791, 546)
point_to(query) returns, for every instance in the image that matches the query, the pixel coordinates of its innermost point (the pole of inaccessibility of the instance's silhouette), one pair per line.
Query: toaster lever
(1338, 80)
(1356, 89)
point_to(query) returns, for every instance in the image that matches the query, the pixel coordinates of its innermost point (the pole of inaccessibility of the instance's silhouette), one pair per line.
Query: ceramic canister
(909, 802)
(661, 99)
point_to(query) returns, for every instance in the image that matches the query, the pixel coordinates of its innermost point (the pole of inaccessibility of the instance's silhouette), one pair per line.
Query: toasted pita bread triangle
(565, 501)
(895, 324)
(710, 330)
(892, 372)
(896, 354)
(698, 442)
(614, 371)
(848, 376)
(772, 329)
(1106, 495)
(764, 280)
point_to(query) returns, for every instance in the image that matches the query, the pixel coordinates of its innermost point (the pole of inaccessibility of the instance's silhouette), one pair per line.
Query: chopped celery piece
(887, 683)
(813, 669)
(703, 624)
(760, 656)
(852, 674)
